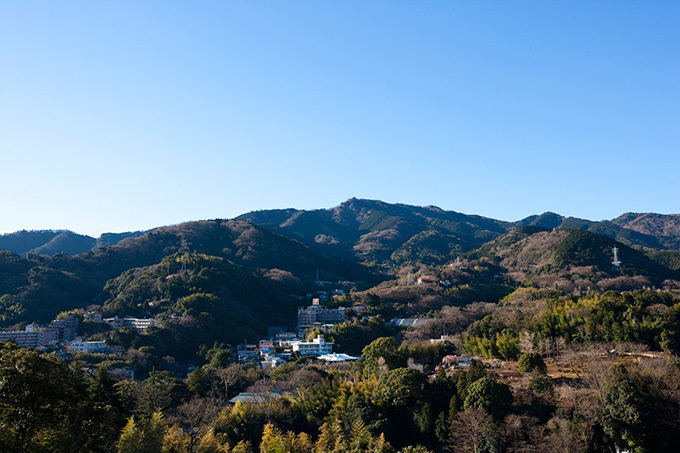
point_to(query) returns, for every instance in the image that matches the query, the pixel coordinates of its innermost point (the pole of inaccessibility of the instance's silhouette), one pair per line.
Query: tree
(199, 381)
(530, 362)
(399, 388)
(623, 414)
(213, 443)
(159, 393)
(273, 440)
(131, 438)
(488, 394)
(103, 413)
(414, 449)
(230, 376)
(40, 399)
(526, 341)
(385, 348)
(469, 430)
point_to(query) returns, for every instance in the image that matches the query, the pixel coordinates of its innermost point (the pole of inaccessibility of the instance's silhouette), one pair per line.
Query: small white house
(87, 346)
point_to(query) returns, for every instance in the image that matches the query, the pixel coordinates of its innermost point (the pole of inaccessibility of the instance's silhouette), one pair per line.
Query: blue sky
(127, 115)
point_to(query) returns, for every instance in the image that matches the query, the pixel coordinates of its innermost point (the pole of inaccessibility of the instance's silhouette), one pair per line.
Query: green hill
(378, 233)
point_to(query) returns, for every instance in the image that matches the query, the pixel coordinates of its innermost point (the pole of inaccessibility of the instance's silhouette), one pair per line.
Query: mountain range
(375, 231)
(358, 244)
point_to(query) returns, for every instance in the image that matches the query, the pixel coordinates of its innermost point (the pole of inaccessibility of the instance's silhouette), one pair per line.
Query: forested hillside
(473, 334)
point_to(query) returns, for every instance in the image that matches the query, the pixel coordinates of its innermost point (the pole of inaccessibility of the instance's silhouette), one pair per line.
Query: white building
(338, 357)
(272, 362)
(23, 338)
(87, 346)
(316, 347)
(139, 324)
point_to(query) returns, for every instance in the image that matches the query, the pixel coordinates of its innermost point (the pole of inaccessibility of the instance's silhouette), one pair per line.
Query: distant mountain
(382, 234)
(22, 242)
(561, 257)
(242, 273)
(657, 225)
(66, 242)
(40, 287)
(49, 242)
(378, 233)
(644, 231)
(545, 220)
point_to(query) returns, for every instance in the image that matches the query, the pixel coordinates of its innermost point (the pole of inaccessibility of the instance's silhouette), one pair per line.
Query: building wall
(23, 339)
(315, 314)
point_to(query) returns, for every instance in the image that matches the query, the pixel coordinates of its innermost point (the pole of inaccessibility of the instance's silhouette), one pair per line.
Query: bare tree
(230, 376)
(545, 346)
(598, 377)
(527, 342)
(558, 345)
(194, 417)
(469, 430)
(561, 439)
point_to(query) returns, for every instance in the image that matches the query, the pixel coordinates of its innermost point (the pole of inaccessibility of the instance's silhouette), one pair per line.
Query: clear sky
(127, 115)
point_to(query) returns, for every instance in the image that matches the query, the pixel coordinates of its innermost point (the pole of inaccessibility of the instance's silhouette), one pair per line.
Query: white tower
(616, 261)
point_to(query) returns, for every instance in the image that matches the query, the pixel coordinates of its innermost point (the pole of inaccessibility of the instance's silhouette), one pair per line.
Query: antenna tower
(616, 261)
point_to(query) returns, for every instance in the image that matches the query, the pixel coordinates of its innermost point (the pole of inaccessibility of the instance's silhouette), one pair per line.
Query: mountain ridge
(374, 230)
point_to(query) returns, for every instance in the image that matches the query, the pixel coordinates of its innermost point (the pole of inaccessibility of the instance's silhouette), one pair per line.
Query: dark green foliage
(400, 387)
(541, 383)
(531, 362)
(623, 414)
(666, 258)
(582, 248)
(160, 392)
(200, 381)
(383, 351)
(488, 394)
(44, 405)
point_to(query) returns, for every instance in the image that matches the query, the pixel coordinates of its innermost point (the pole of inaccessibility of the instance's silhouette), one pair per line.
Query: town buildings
(63, 329)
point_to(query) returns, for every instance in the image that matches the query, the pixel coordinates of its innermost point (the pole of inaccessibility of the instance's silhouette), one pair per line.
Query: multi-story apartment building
(316, 315)
(64, 329)
(23, 338)
(316, 347)
(139, 324)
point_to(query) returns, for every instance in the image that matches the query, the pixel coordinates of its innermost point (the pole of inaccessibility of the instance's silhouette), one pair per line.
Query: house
(266, 347)
(87, 346)
(272, 362)
(246, 351)
(93, 316)
(455, 361)
(284, 339)
(448, 338)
